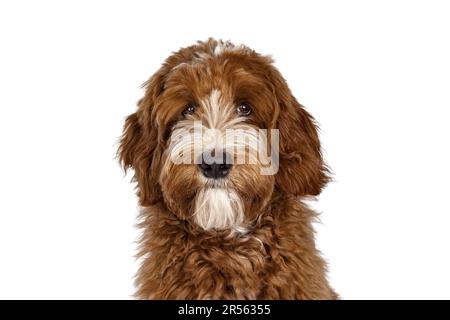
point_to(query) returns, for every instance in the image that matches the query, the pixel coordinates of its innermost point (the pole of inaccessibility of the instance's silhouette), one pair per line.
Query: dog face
(200, 138)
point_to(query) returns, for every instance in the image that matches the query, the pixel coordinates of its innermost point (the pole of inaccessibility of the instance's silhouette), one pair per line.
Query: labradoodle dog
(223, 155)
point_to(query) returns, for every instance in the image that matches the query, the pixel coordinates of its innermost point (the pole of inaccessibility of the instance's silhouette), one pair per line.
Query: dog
(215, 227)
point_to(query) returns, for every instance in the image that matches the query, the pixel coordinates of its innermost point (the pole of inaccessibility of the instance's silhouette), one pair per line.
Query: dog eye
(189, 109)
(244, 109)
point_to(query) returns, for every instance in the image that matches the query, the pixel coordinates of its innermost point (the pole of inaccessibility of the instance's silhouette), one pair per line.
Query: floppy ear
(129, 141)
(302, 170)
(138, 148)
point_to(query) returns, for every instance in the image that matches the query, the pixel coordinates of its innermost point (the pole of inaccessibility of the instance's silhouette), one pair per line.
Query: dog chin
(218, 208)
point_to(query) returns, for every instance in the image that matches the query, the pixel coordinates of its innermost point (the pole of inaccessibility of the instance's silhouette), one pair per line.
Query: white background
(375, 74)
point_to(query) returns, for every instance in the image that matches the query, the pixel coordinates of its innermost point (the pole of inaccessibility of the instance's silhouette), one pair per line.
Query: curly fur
(260, 243)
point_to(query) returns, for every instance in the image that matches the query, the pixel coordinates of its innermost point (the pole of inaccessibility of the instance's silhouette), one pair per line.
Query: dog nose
(215, 170)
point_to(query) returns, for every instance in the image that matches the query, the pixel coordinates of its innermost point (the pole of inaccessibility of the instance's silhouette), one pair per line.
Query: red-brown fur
(277, 258)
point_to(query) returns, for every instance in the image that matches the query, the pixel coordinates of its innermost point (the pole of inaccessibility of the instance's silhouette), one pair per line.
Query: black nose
(215, 170)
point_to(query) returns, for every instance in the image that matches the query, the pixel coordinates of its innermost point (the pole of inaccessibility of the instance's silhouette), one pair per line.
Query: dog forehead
(207, 83)
(215, 109)
(213, 98)
(208, 68)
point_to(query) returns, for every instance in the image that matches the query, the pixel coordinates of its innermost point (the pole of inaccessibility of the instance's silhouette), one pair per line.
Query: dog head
(200, 139)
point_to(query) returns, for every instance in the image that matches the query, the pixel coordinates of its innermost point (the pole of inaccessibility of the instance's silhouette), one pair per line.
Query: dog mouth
(218, 207)
(216, 184)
